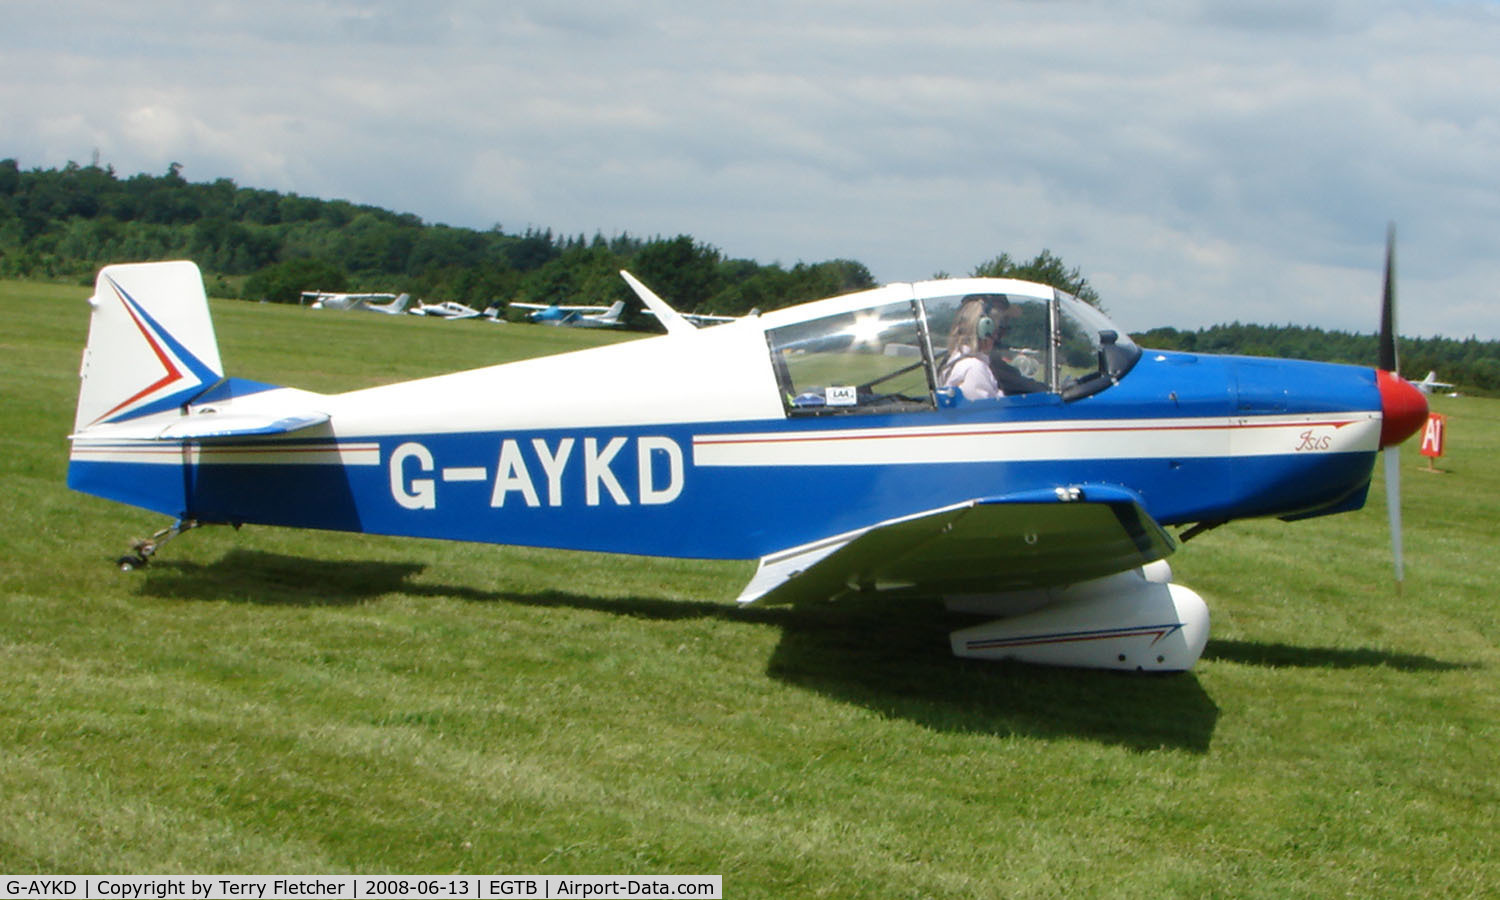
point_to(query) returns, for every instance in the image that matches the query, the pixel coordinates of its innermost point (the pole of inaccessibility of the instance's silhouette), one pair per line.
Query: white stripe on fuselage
(1271, 435)
(357, 453)
(1060, 440)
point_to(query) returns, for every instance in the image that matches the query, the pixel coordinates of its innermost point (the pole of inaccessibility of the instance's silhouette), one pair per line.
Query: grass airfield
(275, 701)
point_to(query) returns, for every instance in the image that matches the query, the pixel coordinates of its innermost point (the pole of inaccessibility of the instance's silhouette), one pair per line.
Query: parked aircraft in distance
(1430, 384)
(448, 309)
(389, 304)
(849, 444)
(577, 316)
(701, 318)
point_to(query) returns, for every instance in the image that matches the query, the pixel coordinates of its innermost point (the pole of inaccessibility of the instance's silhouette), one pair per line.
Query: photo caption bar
(362, 887)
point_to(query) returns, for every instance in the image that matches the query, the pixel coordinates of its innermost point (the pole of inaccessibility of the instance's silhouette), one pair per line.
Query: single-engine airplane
(701, 318)
(389, 304)
(820, 439)
(576, 316)
(447, 309)
(1430, 384)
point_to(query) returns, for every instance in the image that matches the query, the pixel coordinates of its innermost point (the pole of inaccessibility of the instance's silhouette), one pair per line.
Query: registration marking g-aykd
(522, 466)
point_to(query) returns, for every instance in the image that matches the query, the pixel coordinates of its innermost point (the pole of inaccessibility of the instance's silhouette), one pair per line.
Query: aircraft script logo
(523, 470)
(1311, 441)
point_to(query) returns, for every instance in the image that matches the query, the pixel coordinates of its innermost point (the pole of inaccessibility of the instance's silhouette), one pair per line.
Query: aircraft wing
(701, 318)
(563, 308)
(1014, 542)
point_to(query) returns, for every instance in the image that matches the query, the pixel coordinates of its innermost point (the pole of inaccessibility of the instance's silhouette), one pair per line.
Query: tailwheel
(131, 563)
(142, 549)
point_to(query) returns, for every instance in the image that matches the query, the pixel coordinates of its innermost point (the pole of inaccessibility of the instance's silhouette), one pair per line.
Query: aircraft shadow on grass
(888, 655)
(271, 579)
(1277, 656)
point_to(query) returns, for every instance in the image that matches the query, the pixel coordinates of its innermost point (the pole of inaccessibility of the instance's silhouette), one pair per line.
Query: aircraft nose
(1403, 408)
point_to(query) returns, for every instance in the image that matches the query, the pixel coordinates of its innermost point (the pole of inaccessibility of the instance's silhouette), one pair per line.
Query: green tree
(10, 176)
(284, 282)
(681, 271)
(1046, 268)
(579, 276)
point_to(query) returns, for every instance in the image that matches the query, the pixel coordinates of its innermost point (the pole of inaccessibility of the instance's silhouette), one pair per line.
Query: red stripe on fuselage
(826, 436)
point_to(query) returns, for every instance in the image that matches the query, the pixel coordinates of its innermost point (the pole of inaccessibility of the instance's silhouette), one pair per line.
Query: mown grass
(269, 701)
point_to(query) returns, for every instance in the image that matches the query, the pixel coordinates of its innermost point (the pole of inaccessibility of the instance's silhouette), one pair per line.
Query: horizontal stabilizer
(1008, 543)
(208, 427)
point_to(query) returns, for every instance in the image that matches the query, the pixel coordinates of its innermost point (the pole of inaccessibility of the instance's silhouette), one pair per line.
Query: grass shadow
(891, 656)
(271, 579)
(1278, 656)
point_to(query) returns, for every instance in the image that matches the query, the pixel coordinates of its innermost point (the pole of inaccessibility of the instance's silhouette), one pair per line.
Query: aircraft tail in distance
(612, 315)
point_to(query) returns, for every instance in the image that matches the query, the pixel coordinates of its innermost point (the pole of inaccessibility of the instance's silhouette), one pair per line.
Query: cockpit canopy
(890, 353)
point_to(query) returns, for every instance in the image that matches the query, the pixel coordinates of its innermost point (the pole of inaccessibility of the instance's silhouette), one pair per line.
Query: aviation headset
(984, 326)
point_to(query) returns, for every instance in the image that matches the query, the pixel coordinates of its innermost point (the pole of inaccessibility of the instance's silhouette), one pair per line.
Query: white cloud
(1201, 162)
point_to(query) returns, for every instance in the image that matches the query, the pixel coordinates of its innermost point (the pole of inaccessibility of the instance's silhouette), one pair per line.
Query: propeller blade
(1399, 418)
(1388, 359)
(1393, 508)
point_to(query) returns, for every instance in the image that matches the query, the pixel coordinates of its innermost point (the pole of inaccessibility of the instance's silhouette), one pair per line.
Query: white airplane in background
(577, 316)
(601, 317)
(389, 304)
(701, 318)
(1430, 384)
(448, 309)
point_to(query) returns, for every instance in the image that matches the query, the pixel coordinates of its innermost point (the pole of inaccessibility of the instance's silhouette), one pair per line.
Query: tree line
(1471, 364)
(260, 244)
(264, 245)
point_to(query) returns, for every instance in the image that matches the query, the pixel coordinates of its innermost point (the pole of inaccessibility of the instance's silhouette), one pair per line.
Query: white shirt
(972, 375)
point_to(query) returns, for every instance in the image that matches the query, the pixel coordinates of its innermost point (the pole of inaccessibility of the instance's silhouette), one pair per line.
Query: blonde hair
(965, 329)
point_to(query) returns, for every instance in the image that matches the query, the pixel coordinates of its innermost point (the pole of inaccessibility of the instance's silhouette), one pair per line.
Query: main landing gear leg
(142, 549)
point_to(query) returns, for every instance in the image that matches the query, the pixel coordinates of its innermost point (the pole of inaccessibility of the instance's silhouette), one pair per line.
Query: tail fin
(394, 307)
(151, 344)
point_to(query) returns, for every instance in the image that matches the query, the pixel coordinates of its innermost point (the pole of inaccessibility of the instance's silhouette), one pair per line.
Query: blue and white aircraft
(577, 316)
(819, 439)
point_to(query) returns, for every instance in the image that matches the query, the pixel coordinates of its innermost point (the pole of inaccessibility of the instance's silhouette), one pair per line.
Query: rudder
(151, 345)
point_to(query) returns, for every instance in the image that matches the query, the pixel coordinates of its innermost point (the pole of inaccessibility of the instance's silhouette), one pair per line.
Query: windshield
(1092, 352)
(997, 339)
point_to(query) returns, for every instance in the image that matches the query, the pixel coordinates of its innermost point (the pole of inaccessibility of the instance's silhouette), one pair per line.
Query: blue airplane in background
(833, 441)
(578, 316)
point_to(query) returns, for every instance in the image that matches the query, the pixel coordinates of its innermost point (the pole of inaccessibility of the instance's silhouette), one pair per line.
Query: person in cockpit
(970, 340)
(1011, 380)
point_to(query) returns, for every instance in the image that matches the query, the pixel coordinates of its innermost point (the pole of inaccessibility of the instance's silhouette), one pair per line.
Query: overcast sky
(1201, 162)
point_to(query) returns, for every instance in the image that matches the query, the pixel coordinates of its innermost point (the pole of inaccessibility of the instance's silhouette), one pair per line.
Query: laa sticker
(841, 395)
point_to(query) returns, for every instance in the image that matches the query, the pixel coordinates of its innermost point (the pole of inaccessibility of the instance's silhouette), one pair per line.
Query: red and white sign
(1432, 435)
